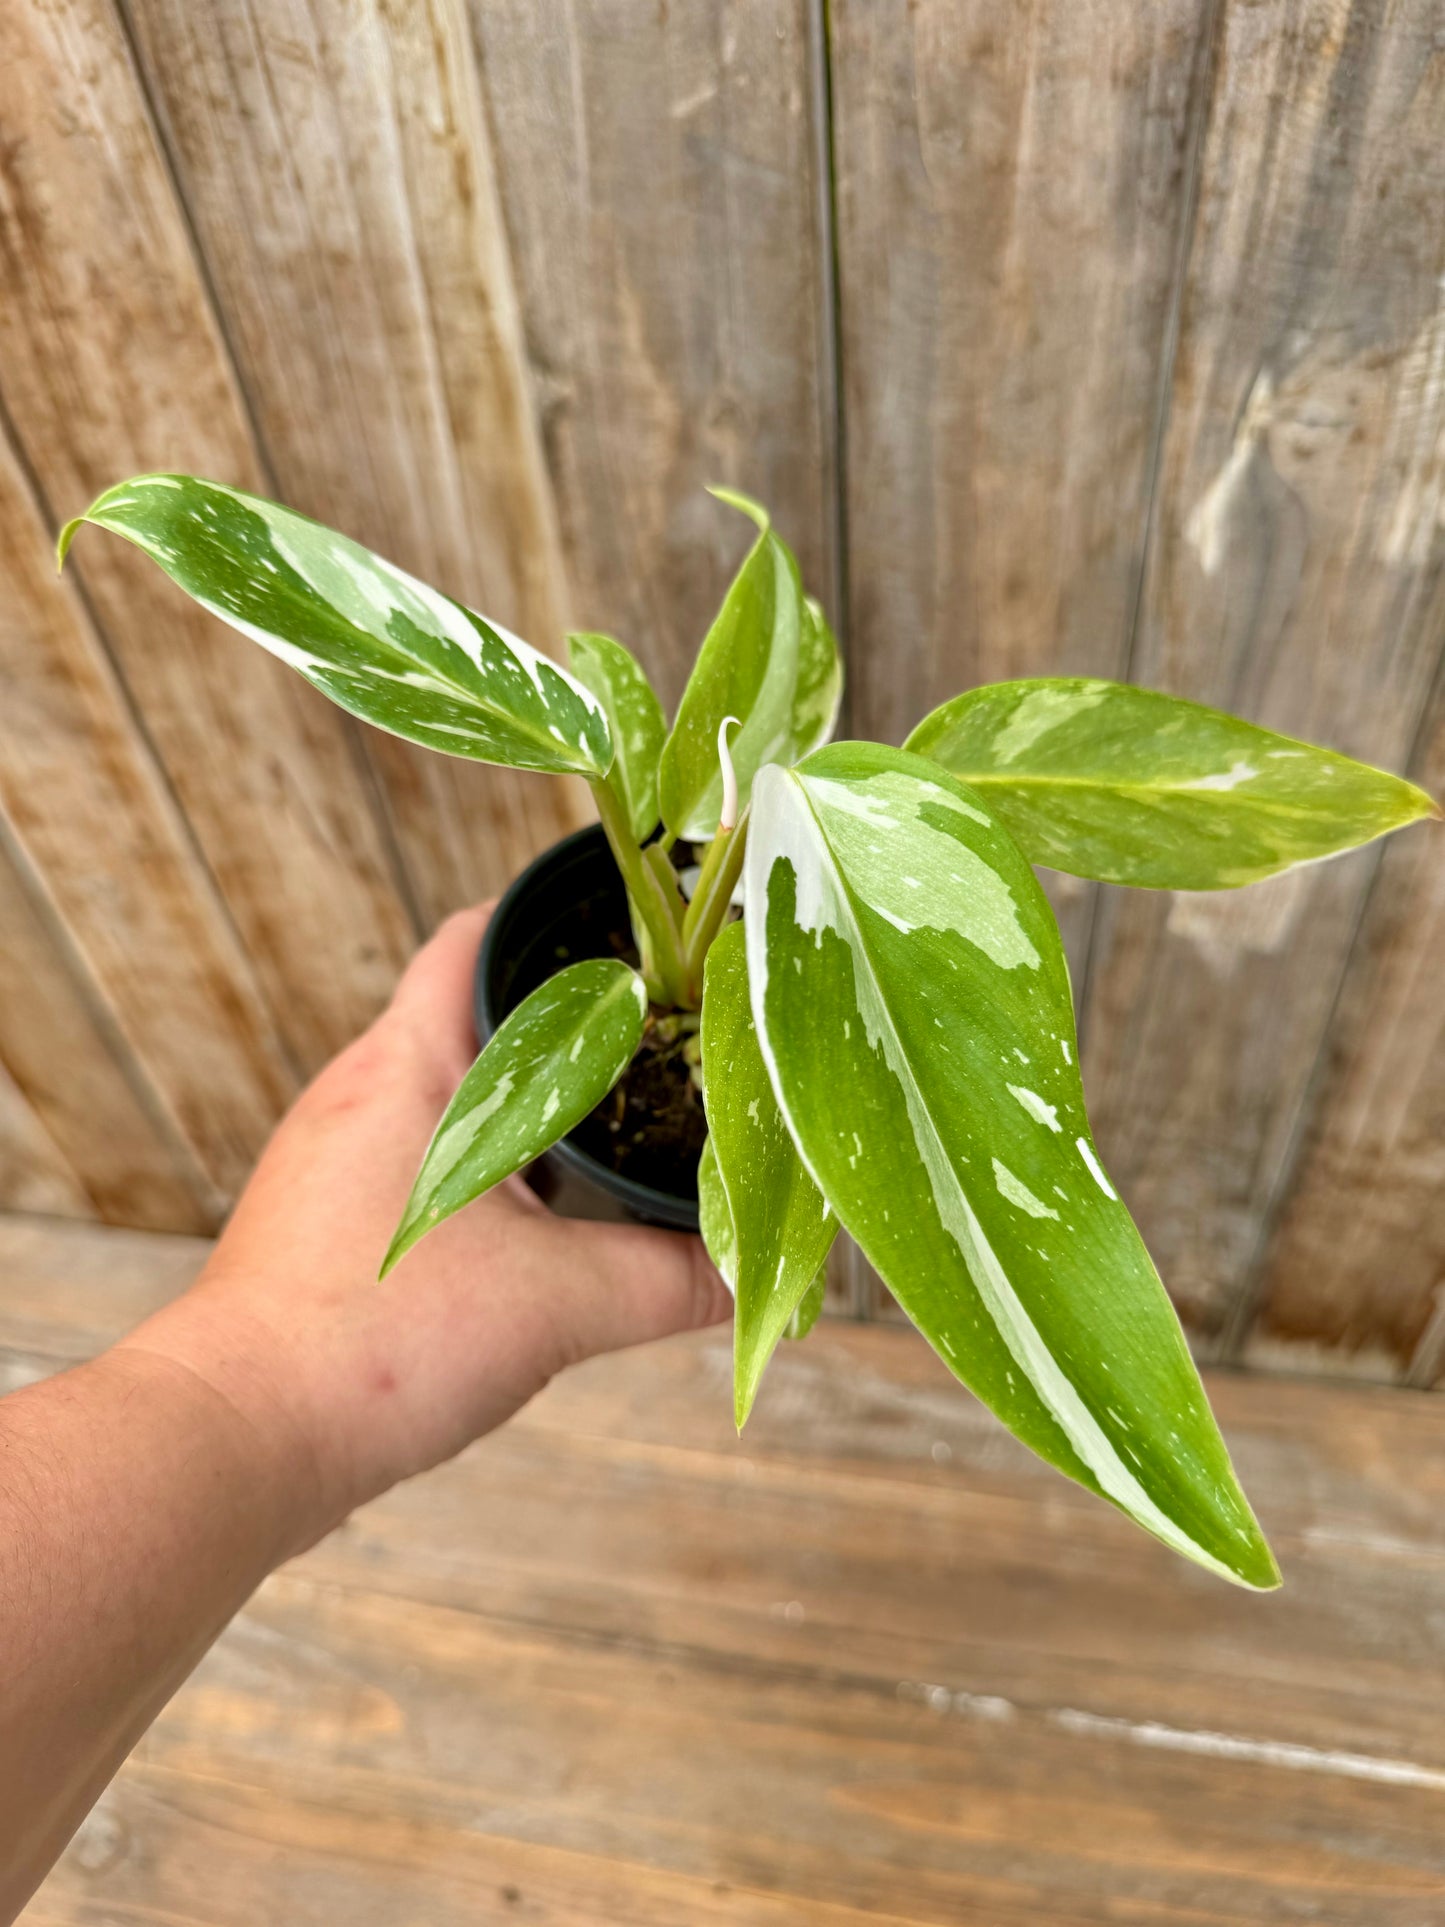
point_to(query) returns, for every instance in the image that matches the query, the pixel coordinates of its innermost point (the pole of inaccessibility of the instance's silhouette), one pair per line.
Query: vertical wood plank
(1294, 577)
(658, 167)
(1011, 206)
(61, 1048)
(110, 364)
(34, 1175)
(97, 825)
(1354, 1275)
(337, 169)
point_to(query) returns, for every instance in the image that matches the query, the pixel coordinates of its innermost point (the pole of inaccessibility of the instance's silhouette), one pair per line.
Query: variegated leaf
(634, 720)
(913, 1008)
(557, 1055)
(375, 640)
(809, 1308)
(780, 1228)
(1130, 786)
(770, 660)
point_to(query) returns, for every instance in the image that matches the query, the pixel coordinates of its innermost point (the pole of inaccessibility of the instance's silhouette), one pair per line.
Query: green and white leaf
(769, 659)
(777, 1230)
(715, 1218)
(634, 720)
(1130, 786)
(375, 640)
(810, 1307)
(557, 1055)
(913, 1007)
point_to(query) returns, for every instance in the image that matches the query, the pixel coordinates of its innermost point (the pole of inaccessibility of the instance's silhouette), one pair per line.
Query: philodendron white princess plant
(887, 1036)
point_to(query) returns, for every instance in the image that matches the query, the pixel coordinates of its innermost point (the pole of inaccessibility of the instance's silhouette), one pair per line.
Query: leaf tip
(64, 540)
(735, 499)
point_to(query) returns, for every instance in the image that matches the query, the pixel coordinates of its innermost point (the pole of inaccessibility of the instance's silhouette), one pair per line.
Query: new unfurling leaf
(770, 660)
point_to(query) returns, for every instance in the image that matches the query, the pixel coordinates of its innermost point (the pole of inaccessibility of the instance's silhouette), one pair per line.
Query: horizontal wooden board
(612, 1654)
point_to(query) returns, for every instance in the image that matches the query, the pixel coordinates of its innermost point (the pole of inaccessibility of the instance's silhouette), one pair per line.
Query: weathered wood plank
(62, 1048)
(112, 364)
(1354, 1276)
(1011, 210)
(1294, 577)
(337, 168)
(613, 1650)
(34, 1176)
(658, 167)
(82, 797)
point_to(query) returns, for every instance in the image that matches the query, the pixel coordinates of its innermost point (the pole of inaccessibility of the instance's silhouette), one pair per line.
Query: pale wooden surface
(1011, 212)
(1073, 338)
(1294, 575)
(874, 1665)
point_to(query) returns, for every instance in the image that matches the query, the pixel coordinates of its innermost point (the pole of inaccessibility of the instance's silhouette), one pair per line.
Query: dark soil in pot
(636, 1155)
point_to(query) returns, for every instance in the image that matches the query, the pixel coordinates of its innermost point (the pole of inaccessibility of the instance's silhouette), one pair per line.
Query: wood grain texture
(658, 168)
(99, 827)
(112, 365)
(1011, 205)
(1294, 577)
(337, 168)
(874, 1664)
(1354, 1275)
(34, 1175)
(62, 1047)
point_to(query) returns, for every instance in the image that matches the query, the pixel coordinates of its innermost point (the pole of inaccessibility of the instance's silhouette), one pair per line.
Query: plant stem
(656, 931)
(656, 857)
(721, 868)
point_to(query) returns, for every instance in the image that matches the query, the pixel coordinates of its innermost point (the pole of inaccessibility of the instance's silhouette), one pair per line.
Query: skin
(145, 1495)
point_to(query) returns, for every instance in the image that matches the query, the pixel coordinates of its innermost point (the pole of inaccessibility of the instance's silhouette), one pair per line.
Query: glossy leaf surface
(769, 659)
(1130, 786)
(557, 1055)
(388, 648)
(634, 720)
(781, 1229)
(913, 1007)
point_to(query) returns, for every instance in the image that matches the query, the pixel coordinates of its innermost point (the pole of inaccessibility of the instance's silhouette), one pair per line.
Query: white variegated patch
(763, 1219)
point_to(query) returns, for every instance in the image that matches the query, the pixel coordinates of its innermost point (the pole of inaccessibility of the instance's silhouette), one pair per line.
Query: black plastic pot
(561, 909)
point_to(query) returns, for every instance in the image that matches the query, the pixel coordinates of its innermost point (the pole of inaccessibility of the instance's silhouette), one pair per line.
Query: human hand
(374, 1382)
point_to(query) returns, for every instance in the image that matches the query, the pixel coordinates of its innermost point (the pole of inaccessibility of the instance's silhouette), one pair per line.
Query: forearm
(141, 1503)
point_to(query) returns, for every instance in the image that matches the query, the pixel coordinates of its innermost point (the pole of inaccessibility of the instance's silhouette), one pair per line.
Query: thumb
(622, 1284)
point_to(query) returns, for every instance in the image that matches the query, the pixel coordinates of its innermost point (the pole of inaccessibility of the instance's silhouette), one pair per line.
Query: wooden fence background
(1068, 335)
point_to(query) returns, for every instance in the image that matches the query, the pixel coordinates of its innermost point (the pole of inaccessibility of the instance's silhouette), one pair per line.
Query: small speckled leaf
(769, 659)
(557, 1055)
(375, 640)
(781, 1228)
(1105, 780)
(913, 1007)
(634, 720)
